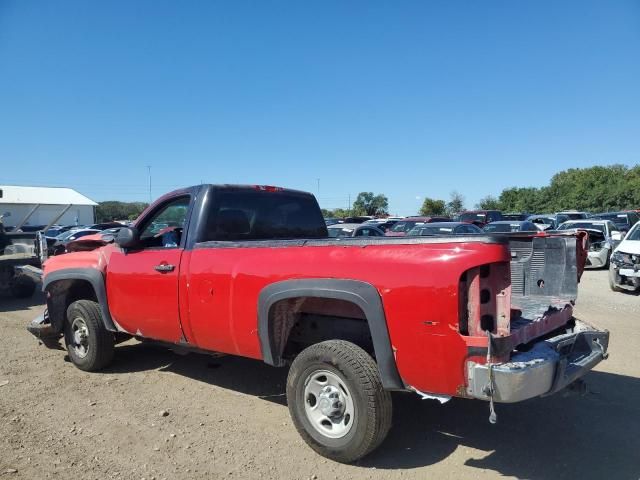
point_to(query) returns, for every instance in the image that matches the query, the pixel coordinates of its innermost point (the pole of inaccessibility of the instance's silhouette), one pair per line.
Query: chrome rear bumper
(548, 367)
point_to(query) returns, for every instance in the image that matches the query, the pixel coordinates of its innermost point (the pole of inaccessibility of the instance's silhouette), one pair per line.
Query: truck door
(142, 283)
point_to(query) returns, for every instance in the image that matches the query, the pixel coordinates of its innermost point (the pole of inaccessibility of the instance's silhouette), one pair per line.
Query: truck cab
(251, 271)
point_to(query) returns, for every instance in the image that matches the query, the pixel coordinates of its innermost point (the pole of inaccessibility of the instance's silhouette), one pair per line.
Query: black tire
(22, 286)
(98, 351)
(612, 282)
(372, 407)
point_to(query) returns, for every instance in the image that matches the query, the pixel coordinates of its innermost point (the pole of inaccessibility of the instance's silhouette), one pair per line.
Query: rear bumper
(548, 367)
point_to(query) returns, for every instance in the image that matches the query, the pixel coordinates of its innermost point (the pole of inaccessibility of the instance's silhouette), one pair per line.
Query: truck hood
(89, 242)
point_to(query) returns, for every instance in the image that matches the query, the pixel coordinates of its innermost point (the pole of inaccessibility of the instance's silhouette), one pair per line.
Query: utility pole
(349, 206)
(149, 172)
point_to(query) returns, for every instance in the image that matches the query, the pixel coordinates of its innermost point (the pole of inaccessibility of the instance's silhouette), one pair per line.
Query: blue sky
(410, 99)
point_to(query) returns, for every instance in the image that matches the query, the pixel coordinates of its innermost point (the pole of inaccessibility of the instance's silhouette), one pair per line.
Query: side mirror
(128, 237)
(617, 236)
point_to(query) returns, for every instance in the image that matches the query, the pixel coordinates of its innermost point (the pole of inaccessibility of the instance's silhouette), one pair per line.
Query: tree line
(593, 189)
(113, 210)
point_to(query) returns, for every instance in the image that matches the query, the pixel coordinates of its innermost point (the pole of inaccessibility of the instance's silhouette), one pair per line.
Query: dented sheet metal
(549, 366)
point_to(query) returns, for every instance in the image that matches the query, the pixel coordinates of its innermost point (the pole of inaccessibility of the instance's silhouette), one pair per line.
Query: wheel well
(63, 293)
(296, 323)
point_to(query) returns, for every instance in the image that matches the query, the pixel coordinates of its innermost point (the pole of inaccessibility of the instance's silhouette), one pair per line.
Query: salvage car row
(614, 237)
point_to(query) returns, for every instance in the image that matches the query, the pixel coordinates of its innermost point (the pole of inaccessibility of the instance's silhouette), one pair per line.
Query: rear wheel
(337, 401)
(89, 343)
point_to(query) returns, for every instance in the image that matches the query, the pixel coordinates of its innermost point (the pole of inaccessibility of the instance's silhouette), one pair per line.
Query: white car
(604, 236)
(624, 271)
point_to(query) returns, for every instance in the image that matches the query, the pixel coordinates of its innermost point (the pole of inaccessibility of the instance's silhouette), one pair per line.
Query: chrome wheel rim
(79, 337)
(328, 404)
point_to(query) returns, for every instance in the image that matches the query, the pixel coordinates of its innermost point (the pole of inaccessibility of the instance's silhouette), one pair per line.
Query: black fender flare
(95, 278)
(362, 294)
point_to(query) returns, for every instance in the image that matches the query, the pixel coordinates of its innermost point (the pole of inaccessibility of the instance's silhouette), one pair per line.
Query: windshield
(634, 234)
(65, 235)
(405, 226)
(617, 218)
(339, 232)
(502, 227)
(473, 217)
(589, 225)
(429, 230)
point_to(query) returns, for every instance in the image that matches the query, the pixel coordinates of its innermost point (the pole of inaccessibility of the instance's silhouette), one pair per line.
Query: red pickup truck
(250, 271)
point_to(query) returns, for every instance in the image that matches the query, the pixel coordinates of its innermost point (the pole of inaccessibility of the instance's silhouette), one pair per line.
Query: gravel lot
(227, 417)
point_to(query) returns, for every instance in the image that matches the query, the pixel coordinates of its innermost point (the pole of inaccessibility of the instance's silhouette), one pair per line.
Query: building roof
(43, 195)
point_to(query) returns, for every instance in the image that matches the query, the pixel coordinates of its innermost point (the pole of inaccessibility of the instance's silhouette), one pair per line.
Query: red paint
(210, 300)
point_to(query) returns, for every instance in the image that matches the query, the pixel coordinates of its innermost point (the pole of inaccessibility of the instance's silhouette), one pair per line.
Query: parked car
(59, 246)
(354, 230)
(444, 228)
(105, 225)
(504, 226)
(358, 219)
(602, 240)
(624, 220)
(56, 230)
(516, 217)
(332, 221)
(253, 274)
(383, 224)
(574, 214)
(624, 271)
(480, 217)
(549, 221)
(403, 226)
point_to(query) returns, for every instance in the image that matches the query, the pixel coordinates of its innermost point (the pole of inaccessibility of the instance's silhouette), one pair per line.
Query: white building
(45, 205)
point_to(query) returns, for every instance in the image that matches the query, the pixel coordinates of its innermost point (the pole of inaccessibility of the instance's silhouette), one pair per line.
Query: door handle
(164, 268)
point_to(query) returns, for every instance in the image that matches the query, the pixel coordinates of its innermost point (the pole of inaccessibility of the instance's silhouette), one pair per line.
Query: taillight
(268, 188)
(485, 300)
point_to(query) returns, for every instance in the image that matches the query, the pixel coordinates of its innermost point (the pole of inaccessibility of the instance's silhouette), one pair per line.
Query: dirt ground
(227, 417)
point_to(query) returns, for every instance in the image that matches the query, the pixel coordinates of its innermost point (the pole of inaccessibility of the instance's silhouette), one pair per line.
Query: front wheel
(612, 280)
(337, 401)
(89, 343)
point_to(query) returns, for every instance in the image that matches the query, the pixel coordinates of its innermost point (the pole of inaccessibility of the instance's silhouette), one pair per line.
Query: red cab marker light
(268, 188)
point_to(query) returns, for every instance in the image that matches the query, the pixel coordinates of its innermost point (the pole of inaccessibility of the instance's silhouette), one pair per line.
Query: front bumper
(625, 275)
(597, 259)
(548, 367)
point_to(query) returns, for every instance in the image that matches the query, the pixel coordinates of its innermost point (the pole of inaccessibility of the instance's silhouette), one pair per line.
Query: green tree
(516, 199)
(594, 189)
(431, 206)
(114, 210)
(335, 213)
(489, 203)
(455, 204)
(369, 204)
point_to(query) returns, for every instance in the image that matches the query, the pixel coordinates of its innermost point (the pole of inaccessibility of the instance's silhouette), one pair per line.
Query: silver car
(604, 237)
(354, 230)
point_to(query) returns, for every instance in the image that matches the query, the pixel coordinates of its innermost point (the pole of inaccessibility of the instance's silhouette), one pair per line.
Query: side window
(363, 232)
(165, 228)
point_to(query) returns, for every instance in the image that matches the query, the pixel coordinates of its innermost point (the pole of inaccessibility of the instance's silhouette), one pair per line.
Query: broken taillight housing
(485, 300)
